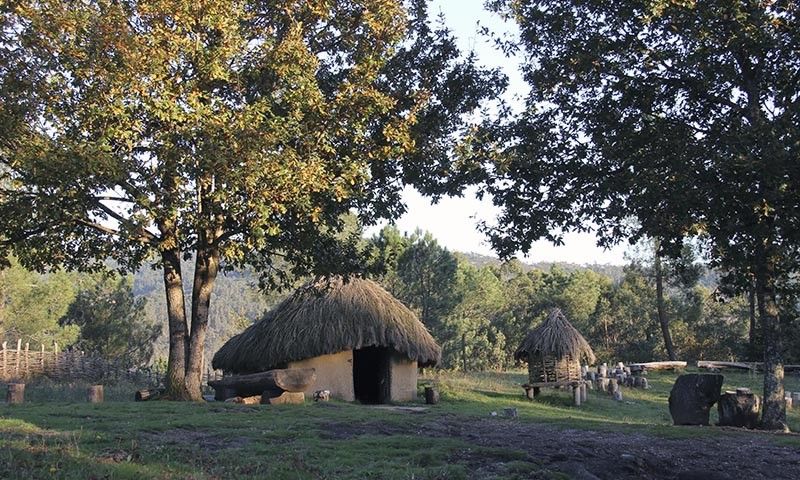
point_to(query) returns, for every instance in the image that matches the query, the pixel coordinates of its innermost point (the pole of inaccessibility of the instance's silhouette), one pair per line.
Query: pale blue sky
(453, 220)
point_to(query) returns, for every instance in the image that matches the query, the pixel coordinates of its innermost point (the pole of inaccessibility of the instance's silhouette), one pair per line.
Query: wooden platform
(578, 389)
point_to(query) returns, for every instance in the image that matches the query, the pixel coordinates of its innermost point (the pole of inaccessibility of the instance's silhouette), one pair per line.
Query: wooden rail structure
(19, 362)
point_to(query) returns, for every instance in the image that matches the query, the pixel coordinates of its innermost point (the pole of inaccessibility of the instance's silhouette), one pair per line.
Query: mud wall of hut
(403, 378)
(334, 373)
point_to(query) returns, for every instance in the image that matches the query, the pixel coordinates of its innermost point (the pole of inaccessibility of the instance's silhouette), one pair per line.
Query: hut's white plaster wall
(334, 373)
(404, 379)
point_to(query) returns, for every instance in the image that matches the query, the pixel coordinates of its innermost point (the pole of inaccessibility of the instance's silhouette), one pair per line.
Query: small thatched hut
(364, 344)
(553, 351)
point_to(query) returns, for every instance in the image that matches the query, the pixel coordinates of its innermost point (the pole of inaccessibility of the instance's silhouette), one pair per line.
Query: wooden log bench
(270, 384)
(669, 365)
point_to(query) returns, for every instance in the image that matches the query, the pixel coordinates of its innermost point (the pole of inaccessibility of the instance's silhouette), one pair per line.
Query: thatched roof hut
(553, 350)
(338, 326)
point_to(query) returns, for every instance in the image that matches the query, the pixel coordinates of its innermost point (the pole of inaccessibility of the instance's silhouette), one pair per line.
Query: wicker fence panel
(18, 362)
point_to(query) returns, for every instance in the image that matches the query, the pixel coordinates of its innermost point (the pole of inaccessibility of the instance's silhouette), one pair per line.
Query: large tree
(681, 272)
(681, 115)
(238, 132)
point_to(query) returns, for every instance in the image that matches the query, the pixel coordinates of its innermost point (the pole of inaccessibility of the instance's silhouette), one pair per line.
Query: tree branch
(112, 198)
(149, 236)
(97, 226)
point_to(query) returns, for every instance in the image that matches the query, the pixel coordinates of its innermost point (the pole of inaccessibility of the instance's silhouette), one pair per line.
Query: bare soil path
(589, 455)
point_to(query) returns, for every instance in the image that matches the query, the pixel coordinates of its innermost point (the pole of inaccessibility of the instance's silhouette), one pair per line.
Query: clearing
(459, 438)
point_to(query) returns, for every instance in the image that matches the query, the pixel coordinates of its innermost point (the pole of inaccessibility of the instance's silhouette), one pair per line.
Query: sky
(453, 221)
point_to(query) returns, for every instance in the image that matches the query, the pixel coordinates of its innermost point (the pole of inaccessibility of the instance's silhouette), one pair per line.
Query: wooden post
(3, 372)
(55, 358)
(576, 395)
(41, 360)
(788, 403)
(27, 359)
(431, 395)
(584, 392)
(528, 392)
(16, 393)
(94, 394)
(612, 386)
(19, 354)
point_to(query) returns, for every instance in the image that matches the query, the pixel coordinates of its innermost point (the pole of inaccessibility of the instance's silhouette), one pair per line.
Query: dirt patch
(348, 430)
(205, 441)
(394, 408)
(592, 455)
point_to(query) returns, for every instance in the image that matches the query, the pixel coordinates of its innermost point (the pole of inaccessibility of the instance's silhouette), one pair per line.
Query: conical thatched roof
(327, 316)
(555, 336)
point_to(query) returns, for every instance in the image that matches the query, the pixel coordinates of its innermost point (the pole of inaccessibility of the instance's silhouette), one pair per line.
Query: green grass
(56, 435)
(640, 410)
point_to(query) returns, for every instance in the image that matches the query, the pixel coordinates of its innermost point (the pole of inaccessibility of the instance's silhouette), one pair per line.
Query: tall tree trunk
(662, 314)
(464, 351)
(176, 316)
(205, 274)
(773, 416)
(751, 294)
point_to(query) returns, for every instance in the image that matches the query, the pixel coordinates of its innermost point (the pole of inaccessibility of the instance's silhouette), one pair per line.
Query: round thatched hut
(553, 351)
(364, 344)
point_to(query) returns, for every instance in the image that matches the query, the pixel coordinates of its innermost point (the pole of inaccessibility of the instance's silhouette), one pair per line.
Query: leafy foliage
(31, 306)
(112, 321)
(239, 133)
(679, 115)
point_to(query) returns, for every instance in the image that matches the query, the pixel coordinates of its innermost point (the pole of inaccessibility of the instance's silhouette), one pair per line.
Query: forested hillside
(235, 304)
(477, 307)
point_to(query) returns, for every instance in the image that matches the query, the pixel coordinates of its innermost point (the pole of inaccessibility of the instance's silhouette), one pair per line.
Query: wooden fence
(19, 362)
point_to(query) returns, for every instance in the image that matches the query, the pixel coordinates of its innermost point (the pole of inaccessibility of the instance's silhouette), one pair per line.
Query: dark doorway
(371, 375)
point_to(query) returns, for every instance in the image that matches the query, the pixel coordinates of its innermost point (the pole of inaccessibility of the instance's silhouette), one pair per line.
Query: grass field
(56, 435)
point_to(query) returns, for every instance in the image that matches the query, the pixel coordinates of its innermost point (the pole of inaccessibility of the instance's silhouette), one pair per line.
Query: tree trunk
(752, 334)
(773, 416)
(176, 316)
(205, 274)
(464, 351)
(662, 314)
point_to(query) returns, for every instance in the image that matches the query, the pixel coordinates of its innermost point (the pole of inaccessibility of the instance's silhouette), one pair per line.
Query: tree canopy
(239, 132)
(680, 115)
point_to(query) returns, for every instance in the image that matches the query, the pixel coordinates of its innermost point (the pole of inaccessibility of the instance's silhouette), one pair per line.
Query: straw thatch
(327, 316)
(555, 337)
